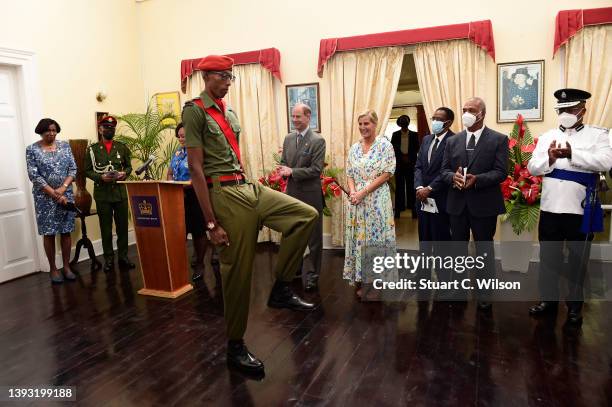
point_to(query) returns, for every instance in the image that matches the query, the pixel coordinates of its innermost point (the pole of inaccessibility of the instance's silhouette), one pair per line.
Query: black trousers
(404, 188)
(556, 231)
(483, 230)
(434, 235)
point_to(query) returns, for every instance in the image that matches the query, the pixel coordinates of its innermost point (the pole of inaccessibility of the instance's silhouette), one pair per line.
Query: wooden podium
(158, 215)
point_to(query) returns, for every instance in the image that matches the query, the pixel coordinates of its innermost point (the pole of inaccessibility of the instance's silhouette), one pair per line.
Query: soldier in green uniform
(107, 162)
(235, 209)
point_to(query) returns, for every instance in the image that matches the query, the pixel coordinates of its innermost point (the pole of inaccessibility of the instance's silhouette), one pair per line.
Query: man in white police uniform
(569, 157)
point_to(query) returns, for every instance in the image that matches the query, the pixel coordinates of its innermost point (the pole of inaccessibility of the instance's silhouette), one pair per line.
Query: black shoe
(311, 285)
(543, 307)
(108, 266)
(574, 315)
(239, 358)
(283, 297)
(484, 306)
(126, 264)
(197, 274)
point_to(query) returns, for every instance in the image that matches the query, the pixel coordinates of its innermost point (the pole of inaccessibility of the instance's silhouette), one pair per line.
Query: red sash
(224, 125)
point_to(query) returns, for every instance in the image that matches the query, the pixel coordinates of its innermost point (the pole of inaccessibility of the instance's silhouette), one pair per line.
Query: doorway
(407, 101)
(18, 246)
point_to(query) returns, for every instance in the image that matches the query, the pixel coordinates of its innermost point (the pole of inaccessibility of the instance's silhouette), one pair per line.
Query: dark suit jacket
(306, 165)
(413, 148)
(489, 164)
(430, 173)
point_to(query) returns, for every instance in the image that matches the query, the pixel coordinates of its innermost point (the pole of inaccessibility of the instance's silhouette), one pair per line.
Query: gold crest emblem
(145, 208)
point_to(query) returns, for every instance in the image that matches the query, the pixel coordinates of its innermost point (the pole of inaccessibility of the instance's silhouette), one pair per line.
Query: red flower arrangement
(521, 190)
(329, 184)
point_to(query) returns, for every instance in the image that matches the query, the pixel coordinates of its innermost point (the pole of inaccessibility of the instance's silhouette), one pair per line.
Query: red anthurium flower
(511, 143)
(506, 190)
(528, 148)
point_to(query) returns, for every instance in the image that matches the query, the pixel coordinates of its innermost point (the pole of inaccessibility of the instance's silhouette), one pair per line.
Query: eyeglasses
(225, 75)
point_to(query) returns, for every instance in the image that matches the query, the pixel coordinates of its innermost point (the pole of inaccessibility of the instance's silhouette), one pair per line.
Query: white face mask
(468, 119)
(567, 120)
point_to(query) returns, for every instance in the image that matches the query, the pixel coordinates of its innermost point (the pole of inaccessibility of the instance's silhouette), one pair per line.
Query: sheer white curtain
(252, 98)
(449, 72)
(356, 81)
(587, 64)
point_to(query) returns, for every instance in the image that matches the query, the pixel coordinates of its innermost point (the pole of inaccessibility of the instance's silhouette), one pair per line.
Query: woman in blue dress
(194, 219)
(51, 168)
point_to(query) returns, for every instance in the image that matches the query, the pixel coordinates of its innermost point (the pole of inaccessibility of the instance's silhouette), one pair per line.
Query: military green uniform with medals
(241, 210)
(111, 198)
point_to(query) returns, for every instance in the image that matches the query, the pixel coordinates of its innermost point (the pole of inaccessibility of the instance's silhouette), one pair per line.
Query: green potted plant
(146, 135)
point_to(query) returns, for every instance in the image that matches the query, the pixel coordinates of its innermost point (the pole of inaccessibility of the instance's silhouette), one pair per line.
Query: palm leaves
(145, 134)
(522, 217)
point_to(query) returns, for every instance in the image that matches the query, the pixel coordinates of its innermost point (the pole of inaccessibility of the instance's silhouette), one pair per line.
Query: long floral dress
(51, 168)
(371, 222)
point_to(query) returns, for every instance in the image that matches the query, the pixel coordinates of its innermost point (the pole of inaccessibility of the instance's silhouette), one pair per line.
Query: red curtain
(269, 58)
(479, 32)
(569, 22)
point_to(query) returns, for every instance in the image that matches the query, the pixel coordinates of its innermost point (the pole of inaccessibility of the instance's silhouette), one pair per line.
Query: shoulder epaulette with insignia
(600, 128)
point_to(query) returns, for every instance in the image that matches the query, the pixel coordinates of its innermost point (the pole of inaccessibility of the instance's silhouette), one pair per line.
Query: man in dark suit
(475, 163)
(406, 146)
(434, 228)
(302, 162)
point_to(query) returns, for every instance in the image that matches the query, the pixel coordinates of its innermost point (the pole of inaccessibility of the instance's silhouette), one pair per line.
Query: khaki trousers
(242, 210)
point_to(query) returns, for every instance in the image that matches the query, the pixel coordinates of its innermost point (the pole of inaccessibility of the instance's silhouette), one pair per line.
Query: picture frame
(168, 102)
(520, 90)
(307, 93)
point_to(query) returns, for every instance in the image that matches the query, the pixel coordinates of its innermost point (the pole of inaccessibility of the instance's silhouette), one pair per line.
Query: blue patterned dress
(370, 222)
(51, 168)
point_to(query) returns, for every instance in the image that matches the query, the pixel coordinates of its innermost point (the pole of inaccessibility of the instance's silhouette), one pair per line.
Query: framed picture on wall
(307, 93)
(168, 102)
(520, 90)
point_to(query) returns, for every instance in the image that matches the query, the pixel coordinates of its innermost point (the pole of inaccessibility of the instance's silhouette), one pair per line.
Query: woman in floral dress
(51, 168)
(369, 221)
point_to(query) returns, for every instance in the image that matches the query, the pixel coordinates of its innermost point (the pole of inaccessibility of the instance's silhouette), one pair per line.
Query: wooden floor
(122, 349)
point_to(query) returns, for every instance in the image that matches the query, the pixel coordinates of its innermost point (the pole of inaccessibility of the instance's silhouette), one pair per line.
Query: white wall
(81, 47)
(175, 30)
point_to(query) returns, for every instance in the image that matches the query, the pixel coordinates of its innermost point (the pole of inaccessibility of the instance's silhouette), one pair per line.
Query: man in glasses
(569, 157)
(235, 209)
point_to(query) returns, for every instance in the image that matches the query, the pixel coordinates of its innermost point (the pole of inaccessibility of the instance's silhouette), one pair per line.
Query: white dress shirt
(476, 134)
(591, 152)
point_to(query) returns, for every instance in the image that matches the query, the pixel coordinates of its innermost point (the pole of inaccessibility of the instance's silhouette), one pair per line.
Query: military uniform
(241, 210)
(111, 198)
(568, 208)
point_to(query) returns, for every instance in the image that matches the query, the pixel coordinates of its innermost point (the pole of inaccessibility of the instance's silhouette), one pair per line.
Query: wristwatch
(211, 225)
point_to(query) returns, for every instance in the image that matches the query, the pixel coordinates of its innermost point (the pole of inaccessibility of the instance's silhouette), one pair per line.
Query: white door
(18, 249)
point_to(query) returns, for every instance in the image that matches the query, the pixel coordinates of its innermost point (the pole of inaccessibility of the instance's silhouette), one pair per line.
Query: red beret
(108, 121)
(215, 63)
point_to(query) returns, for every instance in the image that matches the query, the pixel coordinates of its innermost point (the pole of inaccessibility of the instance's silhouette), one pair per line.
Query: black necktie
(433, 149)
(470, 148)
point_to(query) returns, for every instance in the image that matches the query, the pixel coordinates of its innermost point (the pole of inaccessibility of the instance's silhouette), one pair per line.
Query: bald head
(300, 116)
(479, 103)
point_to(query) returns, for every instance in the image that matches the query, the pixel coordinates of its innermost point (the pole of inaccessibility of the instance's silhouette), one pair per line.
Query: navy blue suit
(429, 173)
(434, 228)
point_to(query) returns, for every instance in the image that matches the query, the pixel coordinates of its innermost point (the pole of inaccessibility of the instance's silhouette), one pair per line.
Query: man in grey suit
(302, 162)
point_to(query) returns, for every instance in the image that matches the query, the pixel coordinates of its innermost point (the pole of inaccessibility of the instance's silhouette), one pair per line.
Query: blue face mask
(436, 126)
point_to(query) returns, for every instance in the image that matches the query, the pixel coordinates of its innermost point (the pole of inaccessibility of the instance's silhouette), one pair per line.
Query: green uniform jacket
(121, 159)
(202, 131)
